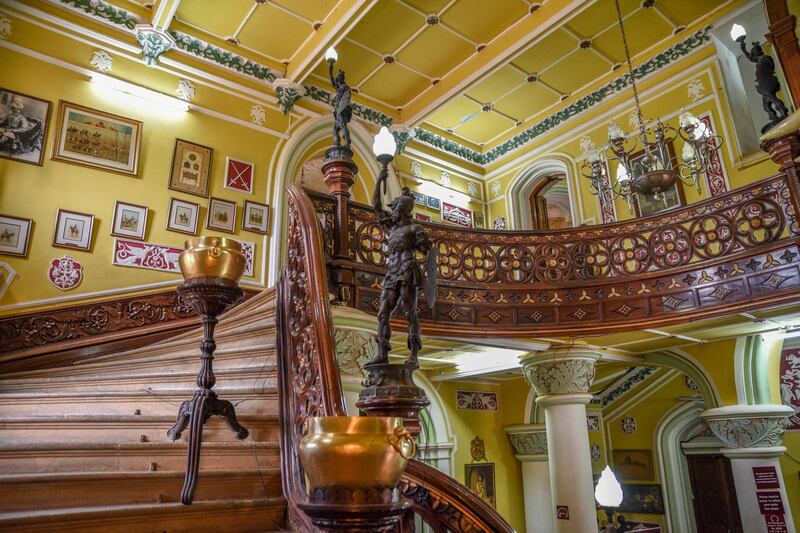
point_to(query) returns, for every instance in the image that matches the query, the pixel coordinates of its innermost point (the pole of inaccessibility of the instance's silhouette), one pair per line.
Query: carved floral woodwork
(735, 250)
(310, 385)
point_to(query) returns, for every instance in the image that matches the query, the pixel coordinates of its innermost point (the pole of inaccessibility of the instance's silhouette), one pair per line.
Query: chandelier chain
(639, 115)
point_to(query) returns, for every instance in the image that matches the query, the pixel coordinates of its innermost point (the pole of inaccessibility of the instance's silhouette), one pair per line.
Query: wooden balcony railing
(733, 252)
(310, 385)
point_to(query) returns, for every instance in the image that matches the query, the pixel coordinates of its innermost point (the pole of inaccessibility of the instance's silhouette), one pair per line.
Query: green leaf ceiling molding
(105, 11)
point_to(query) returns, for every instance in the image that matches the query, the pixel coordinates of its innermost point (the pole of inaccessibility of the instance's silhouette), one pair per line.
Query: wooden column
(783, 38)
(340, 171)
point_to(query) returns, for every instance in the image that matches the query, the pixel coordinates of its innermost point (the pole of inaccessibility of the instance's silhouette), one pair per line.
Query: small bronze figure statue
(406, 275)
(342, 109)
(767, 83)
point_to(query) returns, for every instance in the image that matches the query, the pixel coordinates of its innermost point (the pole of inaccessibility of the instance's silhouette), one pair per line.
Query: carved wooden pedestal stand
(339, 171)
(389, 390)
(210, 297)
(355, 512)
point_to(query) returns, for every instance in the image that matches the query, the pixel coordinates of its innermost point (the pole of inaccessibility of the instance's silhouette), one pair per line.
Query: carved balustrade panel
(735, 251)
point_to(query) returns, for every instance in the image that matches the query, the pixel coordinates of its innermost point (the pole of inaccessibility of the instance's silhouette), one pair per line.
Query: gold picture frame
(191, 168)
(633, 465)
(96, 139)
(221, 215)
(479, 477)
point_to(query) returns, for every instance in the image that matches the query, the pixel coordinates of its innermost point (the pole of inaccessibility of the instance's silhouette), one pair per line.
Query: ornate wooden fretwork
(734, 251)
(310, 386)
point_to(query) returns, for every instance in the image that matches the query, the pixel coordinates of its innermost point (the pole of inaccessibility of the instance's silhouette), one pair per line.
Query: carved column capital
(288, 92)
(354, 349)
(154, 42)
(563, 372)
(748, 426)
(529, 441)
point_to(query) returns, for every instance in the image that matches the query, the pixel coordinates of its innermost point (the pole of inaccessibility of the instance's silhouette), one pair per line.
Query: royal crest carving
(564, 376)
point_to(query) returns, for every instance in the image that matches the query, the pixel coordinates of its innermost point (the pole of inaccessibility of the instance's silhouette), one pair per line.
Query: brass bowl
(355, 452)
(212, 257)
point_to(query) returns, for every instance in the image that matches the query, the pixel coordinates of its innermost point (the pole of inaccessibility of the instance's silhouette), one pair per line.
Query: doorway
(549, 203)
(716, 509)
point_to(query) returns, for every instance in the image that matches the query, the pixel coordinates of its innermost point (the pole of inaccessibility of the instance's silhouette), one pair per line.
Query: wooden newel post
(783, 38)
(339, 172)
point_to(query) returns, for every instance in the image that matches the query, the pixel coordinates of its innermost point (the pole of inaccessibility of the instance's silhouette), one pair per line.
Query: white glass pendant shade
(608, 492)
(330, 54)
(622, 174)
(384, 143)
(737, 31)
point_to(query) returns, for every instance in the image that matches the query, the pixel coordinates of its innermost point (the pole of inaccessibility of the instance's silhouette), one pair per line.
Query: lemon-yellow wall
(488, 425)
(35, 192)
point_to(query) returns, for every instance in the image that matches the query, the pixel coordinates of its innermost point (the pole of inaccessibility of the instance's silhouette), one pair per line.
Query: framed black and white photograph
(433, 203)
(73, 230)
(23, 127)
(221, 215)
(183, 216)
(419, 198)
(15, 235)
(256, 217)
(129, 220)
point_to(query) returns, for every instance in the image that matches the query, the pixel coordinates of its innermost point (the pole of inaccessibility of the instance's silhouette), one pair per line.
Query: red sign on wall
(456, 215)
(776, 523)
(766, 477)
(770, 502)
(562, 512)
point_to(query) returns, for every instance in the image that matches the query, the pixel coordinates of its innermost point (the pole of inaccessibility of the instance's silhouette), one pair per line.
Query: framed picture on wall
(477, 219)
(183, 216)
(479, 477)
(23, 127)
(419, 198)
(633, 465)
(645, 204)
(15, 235)
(256, 217)
(221, 215)
(129, 220)
(433, 203)
(97, 139)
(239, 175)
(191, 167)
(423, 218)
(646, 499)
(73, 230)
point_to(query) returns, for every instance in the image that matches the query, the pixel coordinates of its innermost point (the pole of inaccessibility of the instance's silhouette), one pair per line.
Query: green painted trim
(678, 362)
(199, 48)
(104, 11)
(754, 371)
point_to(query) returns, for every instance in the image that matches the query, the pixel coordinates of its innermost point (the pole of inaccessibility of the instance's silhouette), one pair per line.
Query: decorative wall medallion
(477, 449)
(445, 178)
(690, 383)
(474, 400)
(186, 90)
(257, 115)
(595, 452)
(456, 215)
(5, 27)
(102, 61)
(146, 255)
(416, 169)
(248, 250)
(65, 273)
(628, 425)
(154, 42)
(696, 90)
(239, 175)
(472, 189)
(499, 223)
(496, 188)
(593, 423)
(529, 442)
(790, 385)
(560, 376)
(354, 349)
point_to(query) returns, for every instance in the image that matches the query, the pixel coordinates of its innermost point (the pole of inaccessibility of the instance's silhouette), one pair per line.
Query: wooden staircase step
(248, 401)
(226, 516)
(257, 375)
(24, 492)
(101, 456)
(124, 428)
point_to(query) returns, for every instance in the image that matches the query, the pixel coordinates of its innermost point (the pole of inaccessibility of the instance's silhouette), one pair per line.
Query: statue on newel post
(411, 267)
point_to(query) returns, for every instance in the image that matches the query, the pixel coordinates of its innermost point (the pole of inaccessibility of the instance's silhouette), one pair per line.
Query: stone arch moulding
(443, 444)
(682, 361)
(288, 163)
(526, 180)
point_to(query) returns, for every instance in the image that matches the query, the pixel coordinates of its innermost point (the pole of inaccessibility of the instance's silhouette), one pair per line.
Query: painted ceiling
(442, 64)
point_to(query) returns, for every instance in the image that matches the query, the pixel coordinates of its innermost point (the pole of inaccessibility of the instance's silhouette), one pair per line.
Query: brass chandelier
(644, 161)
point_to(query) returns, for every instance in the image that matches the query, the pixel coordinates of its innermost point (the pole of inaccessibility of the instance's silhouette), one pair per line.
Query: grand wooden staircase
(83, 447)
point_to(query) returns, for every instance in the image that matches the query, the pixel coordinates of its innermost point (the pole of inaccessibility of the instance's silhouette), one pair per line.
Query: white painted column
(561, 380)
(752, 436)
(530, 444)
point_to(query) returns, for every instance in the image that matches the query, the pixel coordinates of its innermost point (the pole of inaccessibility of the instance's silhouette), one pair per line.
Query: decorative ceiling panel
(450, 51)
(393, 84)
(480, 20)
(217, 18)
(485, 126)
(274, 32)
(527, 100)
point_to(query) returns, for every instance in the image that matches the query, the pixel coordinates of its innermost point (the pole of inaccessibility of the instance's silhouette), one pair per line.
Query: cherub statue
(405, 276)
(342, 110)
(767, 83)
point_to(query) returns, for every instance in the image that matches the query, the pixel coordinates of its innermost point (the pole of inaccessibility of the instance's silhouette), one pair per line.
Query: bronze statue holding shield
(406, 275)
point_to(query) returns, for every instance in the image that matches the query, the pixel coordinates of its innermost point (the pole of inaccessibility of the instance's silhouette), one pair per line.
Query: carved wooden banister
(733, 252)
(310, 385)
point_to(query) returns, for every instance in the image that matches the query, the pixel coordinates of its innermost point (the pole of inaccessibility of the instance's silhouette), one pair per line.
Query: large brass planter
(212, 257)
(355, 453)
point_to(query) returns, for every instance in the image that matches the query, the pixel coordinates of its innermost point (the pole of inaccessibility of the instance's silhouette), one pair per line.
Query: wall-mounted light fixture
(138, 91)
